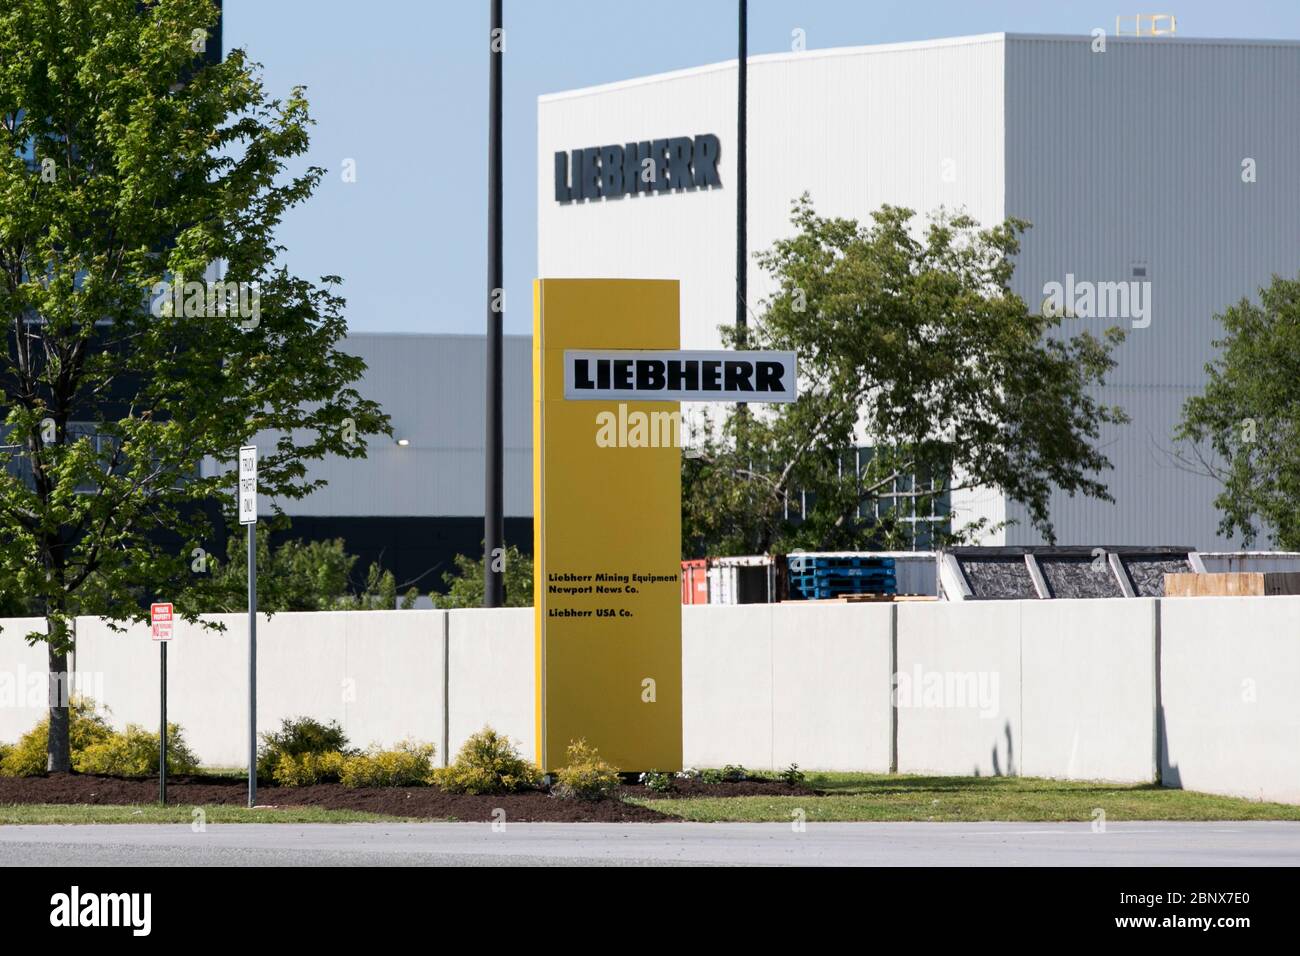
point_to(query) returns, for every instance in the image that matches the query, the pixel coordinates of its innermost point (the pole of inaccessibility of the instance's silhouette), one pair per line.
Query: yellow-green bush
(135, 754)
(585, 776)
(307, 769)
(488, 763)
(298, 736)
(408, 765)
(86, 728)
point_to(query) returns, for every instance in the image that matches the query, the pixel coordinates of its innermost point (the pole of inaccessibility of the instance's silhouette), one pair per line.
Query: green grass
(885, 797)
(15, 813)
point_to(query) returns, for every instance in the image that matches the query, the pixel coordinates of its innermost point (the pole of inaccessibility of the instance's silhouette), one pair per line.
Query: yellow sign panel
(607, 535)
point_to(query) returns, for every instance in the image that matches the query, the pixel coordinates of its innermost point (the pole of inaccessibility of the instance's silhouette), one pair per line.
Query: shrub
(302, 735)
(731, 773)
(488, 763)
(409, 765)
(27, 758)
(135, 754)
(586, 776)
(657, 780)
(792, 775)
(307, 769)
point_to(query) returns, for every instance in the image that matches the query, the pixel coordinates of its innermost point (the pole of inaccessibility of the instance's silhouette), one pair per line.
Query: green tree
(298, 576)
(126, 162)
(465, 584)
(912, 345)
(1244, 429)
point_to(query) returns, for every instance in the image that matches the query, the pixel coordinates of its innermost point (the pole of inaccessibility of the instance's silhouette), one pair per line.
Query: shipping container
(751, 579)
(695, 581)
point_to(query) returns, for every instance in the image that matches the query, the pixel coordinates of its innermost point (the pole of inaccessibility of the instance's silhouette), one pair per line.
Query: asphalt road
(655, 844)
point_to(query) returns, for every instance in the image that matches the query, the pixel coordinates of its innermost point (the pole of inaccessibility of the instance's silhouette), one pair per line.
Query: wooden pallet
(1232, 584)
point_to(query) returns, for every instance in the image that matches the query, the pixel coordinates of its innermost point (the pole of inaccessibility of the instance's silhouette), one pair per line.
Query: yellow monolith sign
(607, 535)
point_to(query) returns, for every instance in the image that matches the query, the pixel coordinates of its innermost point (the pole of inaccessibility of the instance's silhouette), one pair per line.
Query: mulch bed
(417, 802)
(736, 788)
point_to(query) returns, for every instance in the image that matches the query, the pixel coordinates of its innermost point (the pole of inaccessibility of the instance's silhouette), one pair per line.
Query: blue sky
(400, 86)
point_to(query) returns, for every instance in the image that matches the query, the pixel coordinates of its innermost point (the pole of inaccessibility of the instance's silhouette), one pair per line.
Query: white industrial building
(1131, 164)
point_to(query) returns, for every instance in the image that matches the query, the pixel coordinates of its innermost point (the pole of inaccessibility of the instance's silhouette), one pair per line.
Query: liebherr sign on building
(651, 166)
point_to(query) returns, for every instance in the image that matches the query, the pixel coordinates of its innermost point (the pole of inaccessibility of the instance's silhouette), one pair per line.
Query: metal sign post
(160, 619)
(248, 516)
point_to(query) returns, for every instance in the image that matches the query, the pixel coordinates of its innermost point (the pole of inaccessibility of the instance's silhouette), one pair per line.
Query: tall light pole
(493, 498)
(742, 173)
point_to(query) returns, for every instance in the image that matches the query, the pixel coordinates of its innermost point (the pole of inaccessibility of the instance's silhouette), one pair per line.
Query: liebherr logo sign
(652, 166)
(663, 376)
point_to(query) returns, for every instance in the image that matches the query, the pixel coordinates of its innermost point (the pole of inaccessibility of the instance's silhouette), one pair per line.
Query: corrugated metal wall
(915, 124)
(1133, 157)
(432, 387)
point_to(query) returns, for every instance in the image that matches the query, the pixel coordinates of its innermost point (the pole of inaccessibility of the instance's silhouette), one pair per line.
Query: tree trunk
(58, 748)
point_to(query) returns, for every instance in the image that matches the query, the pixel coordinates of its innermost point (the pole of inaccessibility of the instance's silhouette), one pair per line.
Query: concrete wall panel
(959, 688)
(1088, 689)
(1229, 672)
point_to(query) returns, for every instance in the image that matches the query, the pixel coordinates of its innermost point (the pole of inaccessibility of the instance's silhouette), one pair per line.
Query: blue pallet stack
(828, 576)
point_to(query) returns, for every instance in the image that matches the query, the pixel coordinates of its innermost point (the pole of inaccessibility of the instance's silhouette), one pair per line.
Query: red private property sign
(160, 615)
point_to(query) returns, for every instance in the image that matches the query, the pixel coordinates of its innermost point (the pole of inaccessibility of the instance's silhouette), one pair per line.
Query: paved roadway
(655, 844)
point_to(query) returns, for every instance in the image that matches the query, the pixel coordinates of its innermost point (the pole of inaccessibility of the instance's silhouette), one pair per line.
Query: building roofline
(937, 43)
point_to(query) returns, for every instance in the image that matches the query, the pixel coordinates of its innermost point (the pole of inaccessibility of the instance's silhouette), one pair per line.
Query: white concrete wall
(491, 676)
(24, 687)
(379, 677)
(765, 685)
(1230, 669)
(1088, 685)
(762, 683)
(1062, 689)
(945, 733)
(830, 668)
(727, 685)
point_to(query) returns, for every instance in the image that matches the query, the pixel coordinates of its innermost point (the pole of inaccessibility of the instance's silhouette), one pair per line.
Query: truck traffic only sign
(248, 484)
(160, 616)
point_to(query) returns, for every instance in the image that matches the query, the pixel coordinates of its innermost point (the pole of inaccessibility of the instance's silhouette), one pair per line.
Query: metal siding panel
(432, 388)
(909, 106)
(1135, 153)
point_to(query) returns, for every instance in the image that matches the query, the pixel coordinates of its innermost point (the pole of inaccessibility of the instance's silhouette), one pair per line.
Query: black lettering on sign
(623, 373)
(607, 172)
(591, 173)
(649, 375)
(562, 193)
(611, 171)
(737, 376)
(707, 376)
(769, 377)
